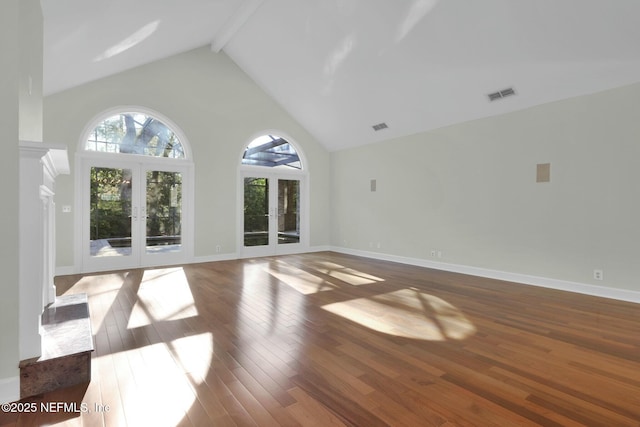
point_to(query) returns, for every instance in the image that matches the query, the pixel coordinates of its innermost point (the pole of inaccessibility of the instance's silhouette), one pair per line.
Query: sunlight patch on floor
(148, 378)
(407, 313)
(193, 353)
(107, 286)
(164, 294)
(347, 275)
(300, 280)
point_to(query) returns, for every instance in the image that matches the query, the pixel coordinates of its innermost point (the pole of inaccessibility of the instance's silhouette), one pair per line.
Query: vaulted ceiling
(341, 66)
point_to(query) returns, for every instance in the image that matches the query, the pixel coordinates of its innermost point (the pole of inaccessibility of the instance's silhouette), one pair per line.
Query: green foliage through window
(110, 203)
(135, 133)
(111, 208)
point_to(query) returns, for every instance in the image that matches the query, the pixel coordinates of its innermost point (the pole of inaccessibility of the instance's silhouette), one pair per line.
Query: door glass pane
(256, 211)
(163, 212)
(288, 211)
(110, 212)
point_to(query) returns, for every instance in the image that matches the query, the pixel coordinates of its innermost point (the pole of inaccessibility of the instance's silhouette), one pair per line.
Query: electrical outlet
(598, 274)
(433, 253)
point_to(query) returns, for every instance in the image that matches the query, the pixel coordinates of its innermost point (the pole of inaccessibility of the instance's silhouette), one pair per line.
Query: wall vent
(380, 126)
(501, 94)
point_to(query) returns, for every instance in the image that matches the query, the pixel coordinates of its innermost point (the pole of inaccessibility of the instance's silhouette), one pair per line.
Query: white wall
(30, 79)
(470, 191)
(218, 108)
(9, 173)
(20, 119)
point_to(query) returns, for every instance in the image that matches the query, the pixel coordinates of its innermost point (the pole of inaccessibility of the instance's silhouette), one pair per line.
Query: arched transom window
(271, 151)
(135, 133)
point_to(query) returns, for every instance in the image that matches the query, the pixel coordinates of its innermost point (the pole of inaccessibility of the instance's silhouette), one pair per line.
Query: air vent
(380, 126)
(501, 94)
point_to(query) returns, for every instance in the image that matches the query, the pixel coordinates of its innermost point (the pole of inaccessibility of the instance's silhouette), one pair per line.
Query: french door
(133, 215)
(274, 218)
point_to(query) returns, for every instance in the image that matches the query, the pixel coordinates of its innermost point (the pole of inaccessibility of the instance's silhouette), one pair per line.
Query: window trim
(302, 174)
(84, 158)
(304, 170)
(97, 119)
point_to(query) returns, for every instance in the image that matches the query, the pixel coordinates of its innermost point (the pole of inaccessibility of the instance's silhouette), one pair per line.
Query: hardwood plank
(310, 412)
(251, 342)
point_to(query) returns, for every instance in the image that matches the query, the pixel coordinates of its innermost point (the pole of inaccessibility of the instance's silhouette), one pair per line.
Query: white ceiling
(341, 66)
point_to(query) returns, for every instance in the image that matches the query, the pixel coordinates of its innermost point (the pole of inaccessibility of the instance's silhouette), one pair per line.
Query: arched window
(135, 192)
(135, 133)
(273, 201)
(271, 151)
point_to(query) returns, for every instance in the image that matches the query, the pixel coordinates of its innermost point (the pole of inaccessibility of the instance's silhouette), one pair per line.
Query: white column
(31, 251)
(48, 259)
(39, 165)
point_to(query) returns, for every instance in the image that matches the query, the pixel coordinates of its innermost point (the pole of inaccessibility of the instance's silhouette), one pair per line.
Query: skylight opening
(271, 151)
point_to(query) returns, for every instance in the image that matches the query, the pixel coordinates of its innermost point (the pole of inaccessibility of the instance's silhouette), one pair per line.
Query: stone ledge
(67, 344)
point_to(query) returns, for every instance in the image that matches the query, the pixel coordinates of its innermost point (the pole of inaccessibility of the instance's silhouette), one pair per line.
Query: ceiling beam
(234, 23)
(290, 158)
(264, 147)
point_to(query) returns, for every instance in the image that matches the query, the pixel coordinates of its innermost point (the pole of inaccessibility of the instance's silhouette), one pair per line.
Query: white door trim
(274, 248)
(84, 162)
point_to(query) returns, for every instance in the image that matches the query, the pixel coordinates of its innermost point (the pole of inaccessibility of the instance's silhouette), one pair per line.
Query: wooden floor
(329, 340)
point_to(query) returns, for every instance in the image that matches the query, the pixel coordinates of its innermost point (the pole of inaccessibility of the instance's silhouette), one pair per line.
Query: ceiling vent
(380, 126)
(501, 94)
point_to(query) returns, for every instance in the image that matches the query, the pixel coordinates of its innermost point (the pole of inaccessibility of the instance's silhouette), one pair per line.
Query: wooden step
(67, 343)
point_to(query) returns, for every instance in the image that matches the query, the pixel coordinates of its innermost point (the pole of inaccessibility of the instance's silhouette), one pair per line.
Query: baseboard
(10, 389)
(66, 270)
(545, 282)
(213, 258)
(70, 270)
(323, 248)
(232, 256)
